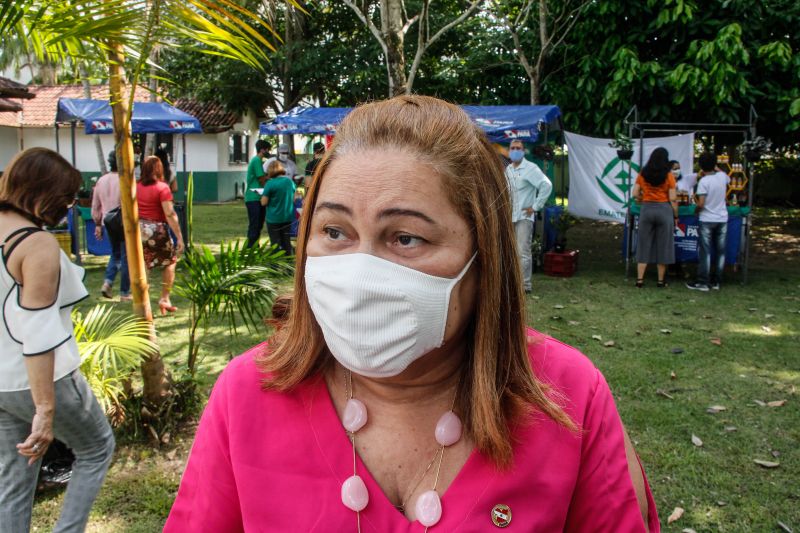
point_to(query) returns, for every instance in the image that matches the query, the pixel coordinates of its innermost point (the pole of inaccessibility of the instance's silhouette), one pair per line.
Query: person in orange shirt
(655, 191)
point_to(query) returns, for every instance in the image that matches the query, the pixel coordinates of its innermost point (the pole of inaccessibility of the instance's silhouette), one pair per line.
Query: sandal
(639, 283)
(661, 284)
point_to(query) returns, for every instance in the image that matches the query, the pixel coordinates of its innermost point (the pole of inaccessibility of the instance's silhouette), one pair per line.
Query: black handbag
(113, 224)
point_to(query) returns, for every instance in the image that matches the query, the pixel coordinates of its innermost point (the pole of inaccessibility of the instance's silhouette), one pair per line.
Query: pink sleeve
(164, 193)
(208, 500)
(604, 497)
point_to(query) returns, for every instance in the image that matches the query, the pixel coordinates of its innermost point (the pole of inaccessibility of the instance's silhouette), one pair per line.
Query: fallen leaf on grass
(775, 453)
(766, 329)
(784, 527)
(752, 309)
(673, 375)
(717, 341)
(696, 440)
(666, 331)
(609, 344)
(722, 503)
(677, 513)
(768, 316)
(558, 306)
(760, 403)
(688, 530)
(664, 393)
(597, 337)
(731, 428)
(677, 350)
(777, 403)
(766, 464)
(714, 409)
(573, 323)
(555, 317)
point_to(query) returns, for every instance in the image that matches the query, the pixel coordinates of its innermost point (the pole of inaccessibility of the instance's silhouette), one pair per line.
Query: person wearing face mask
(530, 189)
(684, 182)
(285, 160)
(43, 394)
(402, 370)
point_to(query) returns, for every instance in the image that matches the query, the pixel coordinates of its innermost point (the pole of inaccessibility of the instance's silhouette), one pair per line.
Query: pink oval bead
(448, 429)
(428, 508)
(354, 493)
(355, 415)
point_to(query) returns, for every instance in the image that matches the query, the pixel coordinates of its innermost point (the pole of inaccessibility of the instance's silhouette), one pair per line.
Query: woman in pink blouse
(404, 393)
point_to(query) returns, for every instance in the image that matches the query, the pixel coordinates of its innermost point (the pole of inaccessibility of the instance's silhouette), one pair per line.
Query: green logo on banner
(618, 179)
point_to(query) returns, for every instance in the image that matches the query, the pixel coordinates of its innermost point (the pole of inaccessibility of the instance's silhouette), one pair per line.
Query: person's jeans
(256, 213)
(81, 424)
(712, 243)
(118, 262)
(524, 232)
(281, 234)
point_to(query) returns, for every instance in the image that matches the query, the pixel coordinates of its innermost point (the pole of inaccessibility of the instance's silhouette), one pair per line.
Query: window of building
(238, 147)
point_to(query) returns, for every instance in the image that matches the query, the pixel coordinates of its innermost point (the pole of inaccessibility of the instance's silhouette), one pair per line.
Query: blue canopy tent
(501, 123)
(97, 117)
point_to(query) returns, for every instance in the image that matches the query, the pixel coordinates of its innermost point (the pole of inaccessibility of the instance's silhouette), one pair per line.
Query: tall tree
(537, 29)
(394, 25)
(107, 30)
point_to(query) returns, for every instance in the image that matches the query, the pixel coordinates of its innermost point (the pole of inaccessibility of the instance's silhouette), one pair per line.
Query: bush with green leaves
(237, 285)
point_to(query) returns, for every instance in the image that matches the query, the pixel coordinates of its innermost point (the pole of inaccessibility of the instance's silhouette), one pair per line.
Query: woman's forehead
(379, 176)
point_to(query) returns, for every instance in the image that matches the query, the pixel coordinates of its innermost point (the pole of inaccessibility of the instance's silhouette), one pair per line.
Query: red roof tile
(213, 117)
(41, 111)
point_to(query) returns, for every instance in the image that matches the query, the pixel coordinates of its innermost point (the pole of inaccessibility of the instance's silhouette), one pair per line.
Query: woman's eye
(332, 233)
(409, 240)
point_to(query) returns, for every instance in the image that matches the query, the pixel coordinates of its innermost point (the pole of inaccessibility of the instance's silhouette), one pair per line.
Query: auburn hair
(498, 389)
(40, 184)
(275, 168)
(152, 170)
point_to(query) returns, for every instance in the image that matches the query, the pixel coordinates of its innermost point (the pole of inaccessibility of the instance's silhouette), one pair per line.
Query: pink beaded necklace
(354, 492)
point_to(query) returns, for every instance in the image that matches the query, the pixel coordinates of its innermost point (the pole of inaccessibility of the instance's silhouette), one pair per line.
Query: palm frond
(111, 346)
(240, 282)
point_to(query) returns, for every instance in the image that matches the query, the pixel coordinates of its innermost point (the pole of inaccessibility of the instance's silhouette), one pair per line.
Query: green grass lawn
(738, 349)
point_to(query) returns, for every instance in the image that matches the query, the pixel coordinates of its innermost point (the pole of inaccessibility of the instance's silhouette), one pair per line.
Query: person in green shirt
(255, 180)
(278, 198)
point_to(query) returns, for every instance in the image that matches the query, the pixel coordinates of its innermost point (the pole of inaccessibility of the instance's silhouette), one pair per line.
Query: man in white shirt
(286, 161)
(713, 216)
(530, 190)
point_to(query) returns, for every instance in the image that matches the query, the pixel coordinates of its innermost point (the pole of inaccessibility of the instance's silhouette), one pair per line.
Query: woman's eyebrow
(400, 212)
(335, 207)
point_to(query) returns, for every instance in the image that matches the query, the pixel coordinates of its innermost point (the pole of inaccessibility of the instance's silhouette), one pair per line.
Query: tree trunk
(392, 30)
(534, 79)
(156, 386)
(150, 138)
(87, 93)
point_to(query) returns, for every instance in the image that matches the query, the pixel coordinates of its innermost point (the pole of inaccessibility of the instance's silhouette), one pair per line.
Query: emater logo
(515, 134)
(180, 124)
(617, 179)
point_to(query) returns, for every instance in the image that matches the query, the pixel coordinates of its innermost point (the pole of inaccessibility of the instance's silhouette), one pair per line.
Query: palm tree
(113, 31)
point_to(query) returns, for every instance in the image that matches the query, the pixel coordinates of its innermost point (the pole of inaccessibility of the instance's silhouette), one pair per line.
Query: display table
(687, 233)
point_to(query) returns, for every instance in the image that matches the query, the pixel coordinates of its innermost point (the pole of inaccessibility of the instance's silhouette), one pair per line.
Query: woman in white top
(42, 392)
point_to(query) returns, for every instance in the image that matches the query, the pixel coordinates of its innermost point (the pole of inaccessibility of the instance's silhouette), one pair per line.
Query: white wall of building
(9, 145)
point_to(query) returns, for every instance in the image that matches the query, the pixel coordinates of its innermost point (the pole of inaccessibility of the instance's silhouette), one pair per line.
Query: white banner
(600, 184)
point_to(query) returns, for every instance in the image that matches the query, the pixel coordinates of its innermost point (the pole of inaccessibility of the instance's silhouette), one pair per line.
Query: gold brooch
(501, 515)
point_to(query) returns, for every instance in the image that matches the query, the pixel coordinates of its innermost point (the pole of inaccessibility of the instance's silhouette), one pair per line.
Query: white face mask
(283, 156)
(377, 317)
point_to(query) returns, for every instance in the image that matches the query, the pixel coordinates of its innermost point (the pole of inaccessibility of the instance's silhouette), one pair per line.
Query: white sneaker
(697, 287)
